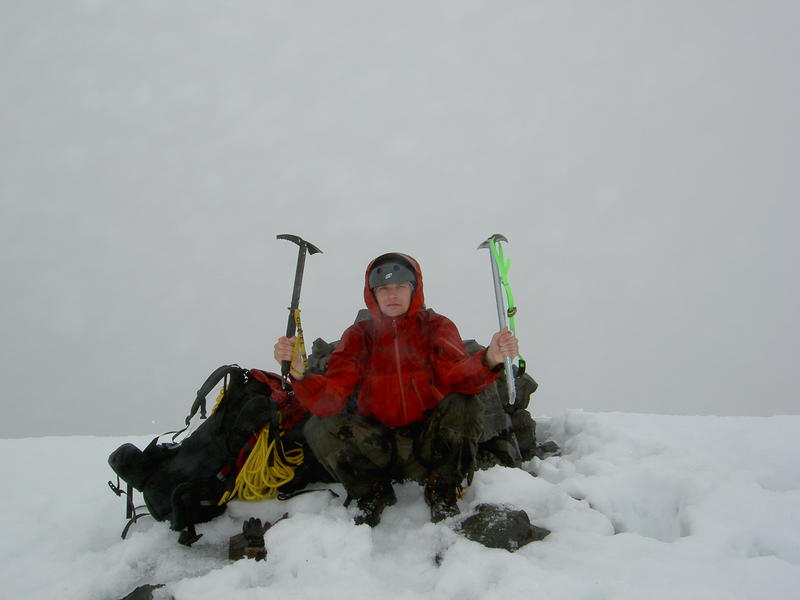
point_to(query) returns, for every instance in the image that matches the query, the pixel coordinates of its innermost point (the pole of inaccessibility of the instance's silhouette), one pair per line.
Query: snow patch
(638, 505)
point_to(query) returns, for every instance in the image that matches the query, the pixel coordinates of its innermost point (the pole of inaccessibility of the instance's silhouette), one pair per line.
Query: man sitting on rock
(416, 416)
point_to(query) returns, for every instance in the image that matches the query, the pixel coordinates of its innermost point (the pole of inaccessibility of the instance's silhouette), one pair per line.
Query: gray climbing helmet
(391, 270)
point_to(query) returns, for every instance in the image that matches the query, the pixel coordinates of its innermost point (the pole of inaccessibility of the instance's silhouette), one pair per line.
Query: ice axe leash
(505, 316)
(293, 325)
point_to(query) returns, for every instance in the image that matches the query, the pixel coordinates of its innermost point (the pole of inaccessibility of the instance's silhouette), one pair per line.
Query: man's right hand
(283, 351)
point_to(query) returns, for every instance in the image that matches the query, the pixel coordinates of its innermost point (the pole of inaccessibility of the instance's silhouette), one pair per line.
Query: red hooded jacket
(399, 366)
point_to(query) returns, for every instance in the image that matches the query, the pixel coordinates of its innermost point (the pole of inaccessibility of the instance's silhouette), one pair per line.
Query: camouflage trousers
(361, 453)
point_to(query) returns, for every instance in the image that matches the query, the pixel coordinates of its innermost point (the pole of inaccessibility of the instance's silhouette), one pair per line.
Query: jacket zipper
(399, 373)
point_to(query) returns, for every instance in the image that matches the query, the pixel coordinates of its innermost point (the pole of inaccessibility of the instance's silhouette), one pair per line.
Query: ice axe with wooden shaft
(505, 317)
(291, 326)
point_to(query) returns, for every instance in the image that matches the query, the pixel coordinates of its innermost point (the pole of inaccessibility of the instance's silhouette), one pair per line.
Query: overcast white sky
(641, 157)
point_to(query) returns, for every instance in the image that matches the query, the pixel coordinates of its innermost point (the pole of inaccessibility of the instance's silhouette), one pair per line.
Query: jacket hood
(417, 298)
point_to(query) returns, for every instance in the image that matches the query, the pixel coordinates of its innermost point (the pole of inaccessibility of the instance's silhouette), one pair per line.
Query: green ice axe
(505, 317)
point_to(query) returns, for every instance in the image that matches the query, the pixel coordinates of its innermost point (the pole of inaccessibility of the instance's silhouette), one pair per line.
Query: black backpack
(183, 483)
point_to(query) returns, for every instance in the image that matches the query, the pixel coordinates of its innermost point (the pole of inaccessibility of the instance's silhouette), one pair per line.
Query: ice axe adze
(291, 327)
(496, 256)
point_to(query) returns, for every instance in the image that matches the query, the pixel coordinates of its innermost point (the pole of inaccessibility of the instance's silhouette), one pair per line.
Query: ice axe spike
(501, 309)
(303, 247)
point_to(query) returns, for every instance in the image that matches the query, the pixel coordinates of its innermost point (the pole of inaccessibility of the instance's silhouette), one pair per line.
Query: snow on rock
(638, 505)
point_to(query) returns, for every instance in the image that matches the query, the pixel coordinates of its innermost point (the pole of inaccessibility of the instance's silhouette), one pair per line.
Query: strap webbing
(503, 266)
(299, 343)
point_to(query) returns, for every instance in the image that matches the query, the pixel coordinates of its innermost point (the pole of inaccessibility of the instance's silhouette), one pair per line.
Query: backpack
(188, 482)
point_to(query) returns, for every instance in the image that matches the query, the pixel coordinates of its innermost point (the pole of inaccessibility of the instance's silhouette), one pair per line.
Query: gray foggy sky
(641, 157)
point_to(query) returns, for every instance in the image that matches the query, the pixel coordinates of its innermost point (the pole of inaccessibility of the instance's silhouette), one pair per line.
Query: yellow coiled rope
(269, 465)
(266, 469)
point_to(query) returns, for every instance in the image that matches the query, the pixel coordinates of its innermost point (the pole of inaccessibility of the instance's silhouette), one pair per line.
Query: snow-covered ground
(640, 506)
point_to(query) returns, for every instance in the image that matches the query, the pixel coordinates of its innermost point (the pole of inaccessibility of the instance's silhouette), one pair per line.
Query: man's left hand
(503, 344)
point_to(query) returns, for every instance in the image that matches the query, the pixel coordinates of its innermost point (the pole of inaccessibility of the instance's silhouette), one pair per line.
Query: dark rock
(524, 429)
(145, 592)
(509, 434)
(320, 353)
(497, 526)
(547, 449)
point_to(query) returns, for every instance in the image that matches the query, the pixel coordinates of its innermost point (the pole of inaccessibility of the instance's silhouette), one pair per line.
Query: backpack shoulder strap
(210, 383)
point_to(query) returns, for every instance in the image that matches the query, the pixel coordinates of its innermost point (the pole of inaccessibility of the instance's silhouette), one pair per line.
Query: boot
(371, 505)
(443, 501)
